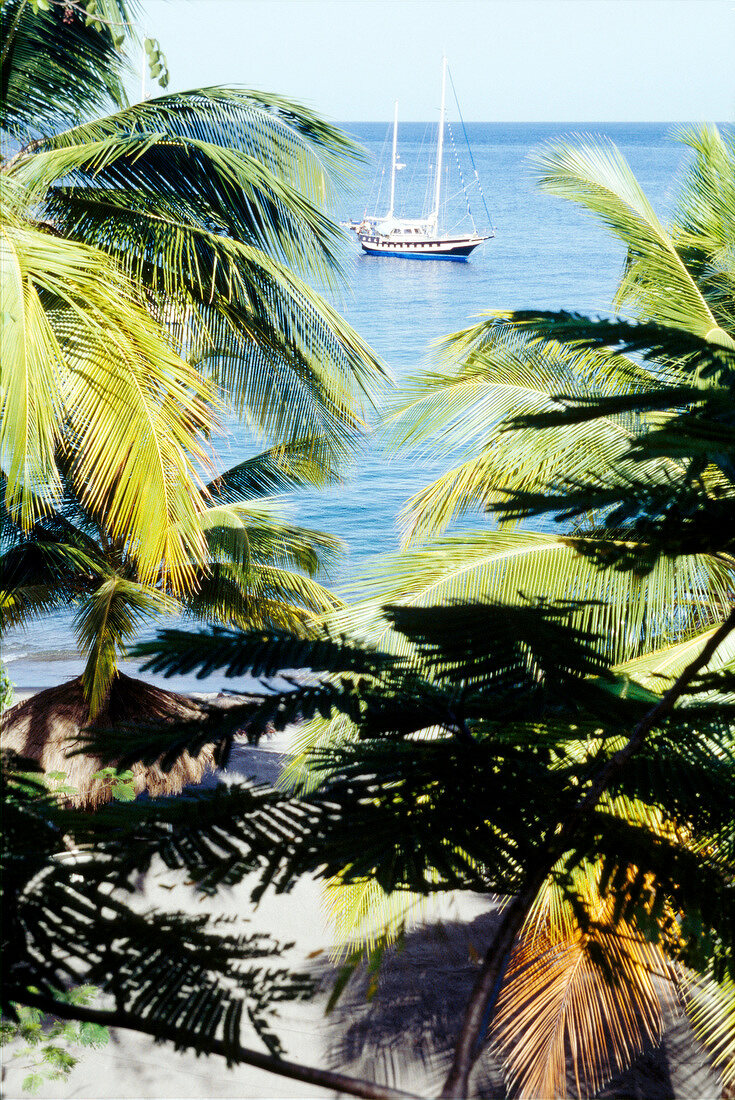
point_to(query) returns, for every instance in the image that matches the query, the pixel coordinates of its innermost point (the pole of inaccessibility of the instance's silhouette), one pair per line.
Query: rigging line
(417, 160)
(461, 176)
(469, 147)
(378, 180)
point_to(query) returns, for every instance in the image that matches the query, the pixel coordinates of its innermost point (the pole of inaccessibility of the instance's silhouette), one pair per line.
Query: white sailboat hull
(438, 248)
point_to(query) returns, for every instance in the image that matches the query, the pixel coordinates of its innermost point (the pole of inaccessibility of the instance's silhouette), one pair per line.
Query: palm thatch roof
(46, 728)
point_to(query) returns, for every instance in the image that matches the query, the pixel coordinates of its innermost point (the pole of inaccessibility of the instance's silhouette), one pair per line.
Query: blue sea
(546, 254)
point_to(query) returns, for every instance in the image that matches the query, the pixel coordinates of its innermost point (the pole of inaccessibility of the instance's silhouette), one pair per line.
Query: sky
(511, 60)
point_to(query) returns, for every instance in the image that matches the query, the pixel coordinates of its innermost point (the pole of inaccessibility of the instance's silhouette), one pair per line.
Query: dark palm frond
(678, 351)
(56, 67)
(644, 870)
(678, 401)
(496, 643)
(68, 568)
(694, 753)
(257, 653)
(641, 521)
(173, 968)
(278, 470)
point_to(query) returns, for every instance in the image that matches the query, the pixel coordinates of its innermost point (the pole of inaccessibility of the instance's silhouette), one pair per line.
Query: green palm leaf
(500, 372)
(282, 468)
(82, 355)
(657, 283)
(655, 669)
(55, 67)
(112, 614)
(221, 236)
(705, 216)
(511, 565)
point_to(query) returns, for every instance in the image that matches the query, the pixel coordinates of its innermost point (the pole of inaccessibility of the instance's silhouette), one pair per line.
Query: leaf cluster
(68, 916)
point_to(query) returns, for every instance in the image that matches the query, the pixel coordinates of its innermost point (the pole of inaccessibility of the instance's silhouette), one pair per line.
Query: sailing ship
(417, 238)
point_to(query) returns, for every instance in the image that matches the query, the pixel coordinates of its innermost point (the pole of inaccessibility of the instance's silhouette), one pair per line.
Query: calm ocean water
(546, 254)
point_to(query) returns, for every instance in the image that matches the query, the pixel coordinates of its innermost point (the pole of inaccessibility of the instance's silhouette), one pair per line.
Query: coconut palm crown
(155, 272)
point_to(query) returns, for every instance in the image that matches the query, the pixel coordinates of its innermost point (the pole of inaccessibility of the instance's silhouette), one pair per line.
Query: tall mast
(393, 162)
(440, 148)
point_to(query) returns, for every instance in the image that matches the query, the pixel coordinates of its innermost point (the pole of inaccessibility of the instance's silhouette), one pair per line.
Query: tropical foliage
(507, 730)
(498, 760)
(498, 375)
(154, 282)
(258, 569)
(498, 750)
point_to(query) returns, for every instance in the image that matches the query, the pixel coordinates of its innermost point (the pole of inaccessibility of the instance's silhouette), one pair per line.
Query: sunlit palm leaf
(557, 1009)
(258, 532)
(221, 239)
(657, 283)
(710, 1006)
(500, 372)
(512, 565)
(82, 355)
(705, 216)
(657, 668)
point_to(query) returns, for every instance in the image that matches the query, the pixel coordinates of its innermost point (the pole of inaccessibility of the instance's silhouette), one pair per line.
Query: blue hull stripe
(396, 255)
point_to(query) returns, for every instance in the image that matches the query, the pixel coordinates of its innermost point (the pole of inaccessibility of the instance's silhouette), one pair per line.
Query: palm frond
(38, 576)
(112, 614)
(657, 283)
(710, 1006)
(659, 667)
(277, 470)
(256, 533)
(221, 240)
(200, 977)
(505, 565)
(81, 352)
(261, 654)
(561, 1005)
(56, 67)
(704, 218)
(499, 371)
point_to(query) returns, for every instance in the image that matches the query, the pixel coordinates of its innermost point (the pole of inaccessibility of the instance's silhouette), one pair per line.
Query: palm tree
(258, 572)
(513, 366)
(502, 753)
(505, 756)
(211, 201)
(156, 282)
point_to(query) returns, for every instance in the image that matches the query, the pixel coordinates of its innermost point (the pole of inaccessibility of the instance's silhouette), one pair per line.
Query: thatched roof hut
(46, 728)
